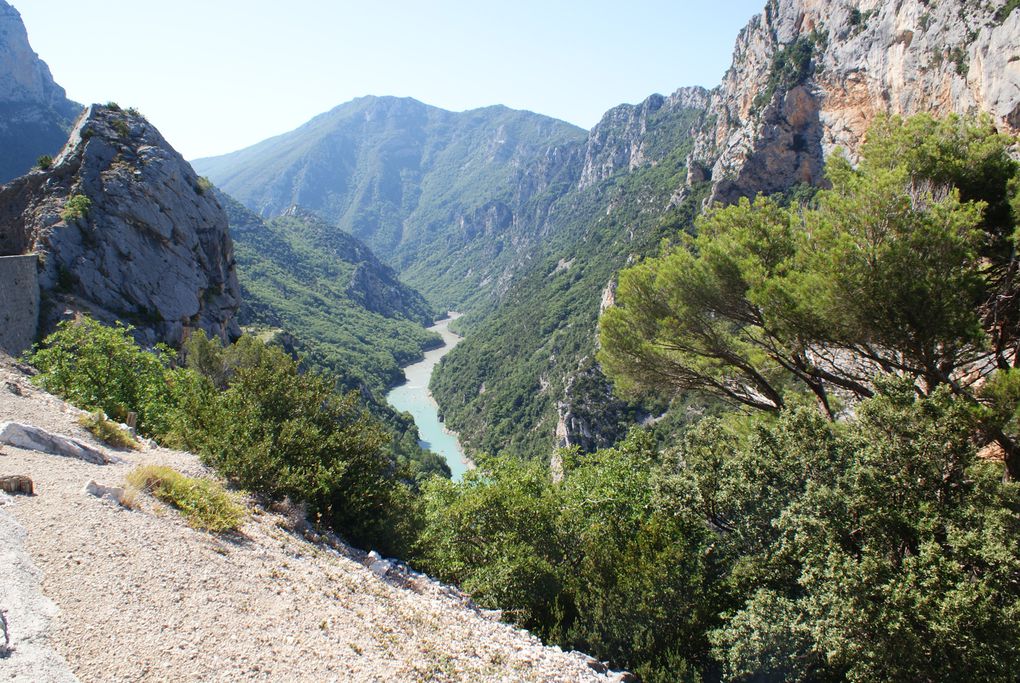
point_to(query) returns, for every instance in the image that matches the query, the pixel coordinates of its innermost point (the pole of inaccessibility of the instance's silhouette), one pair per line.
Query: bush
(249, 413)
(204, 503)
(283, 433)
(77, 206)
(44, 162)
(107, 431)
(203, 185)
(96, 367)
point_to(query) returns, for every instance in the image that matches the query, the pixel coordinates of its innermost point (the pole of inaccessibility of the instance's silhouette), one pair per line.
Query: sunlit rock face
(125, 231)
(867, 57)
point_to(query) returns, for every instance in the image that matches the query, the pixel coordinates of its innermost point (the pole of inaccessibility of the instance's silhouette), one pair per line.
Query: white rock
(114, 494)
(36, 439)
(380, 567)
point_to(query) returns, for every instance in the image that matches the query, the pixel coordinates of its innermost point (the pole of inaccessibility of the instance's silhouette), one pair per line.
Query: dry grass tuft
(108, 431)
(205, 504)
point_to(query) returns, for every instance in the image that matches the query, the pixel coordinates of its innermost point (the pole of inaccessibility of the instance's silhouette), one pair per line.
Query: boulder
(113, 494)
(36, 439)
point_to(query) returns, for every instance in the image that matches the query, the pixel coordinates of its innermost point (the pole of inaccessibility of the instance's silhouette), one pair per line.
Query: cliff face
(809, 76)
(35, 114)
(625, 137)
(125, 230)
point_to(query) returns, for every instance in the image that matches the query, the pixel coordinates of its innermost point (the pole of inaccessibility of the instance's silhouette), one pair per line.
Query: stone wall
(19, 302)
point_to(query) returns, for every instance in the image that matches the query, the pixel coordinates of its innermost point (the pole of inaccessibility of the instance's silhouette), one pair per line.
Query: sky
(218, 75)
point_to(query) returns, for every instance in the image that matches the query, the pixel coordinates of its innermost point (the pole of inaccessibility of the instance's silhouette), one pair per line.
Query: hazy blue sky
(218, 75)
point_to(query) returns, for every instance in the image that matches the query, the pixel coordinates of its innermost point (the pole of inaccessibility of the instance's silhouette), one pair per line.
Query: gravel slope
(143, 597)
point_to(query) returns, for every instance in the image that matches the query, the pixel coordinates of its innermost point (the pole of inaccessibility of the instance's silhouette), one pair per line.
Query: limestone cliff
(809, 76)
(35, 114)
(125, 230)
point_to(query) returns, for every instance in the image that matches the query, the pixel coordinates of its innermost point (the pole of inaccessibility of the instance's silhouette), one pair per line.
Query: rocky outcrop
(35, 114)
(125, 231)
(810, 75)
(34, 438)
(623, 139)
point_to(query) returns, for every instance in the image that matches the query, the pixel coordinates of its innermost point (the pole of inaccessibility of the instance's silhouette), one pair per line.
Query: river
(413, 396)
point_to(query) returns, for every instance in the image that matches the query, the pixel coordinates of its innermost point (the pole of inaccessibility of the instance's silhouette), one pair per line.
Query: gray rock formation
(623, 139)
(34, 438)
(35, 114)
(867, 57)
(148, 245)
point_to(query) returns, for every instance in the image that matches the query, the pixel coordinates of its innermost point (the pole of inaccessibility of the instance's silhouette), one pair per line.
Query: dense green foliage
(342, 310)
(796, 549)
(524, 350)
(101, 368)
(250, 413)
(905, 265)
(804, 541)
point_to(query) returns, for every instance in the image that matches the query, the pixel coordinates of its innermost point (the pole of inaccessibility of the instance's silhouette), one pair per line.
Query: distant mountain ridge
(406, 178)
(35, 114)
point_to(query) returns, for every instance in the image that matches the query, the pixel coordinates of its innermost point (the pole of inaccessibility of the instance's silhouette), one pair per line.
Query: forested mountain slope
(432, 192)
(508, 391)
(348, 310)
(323, 295)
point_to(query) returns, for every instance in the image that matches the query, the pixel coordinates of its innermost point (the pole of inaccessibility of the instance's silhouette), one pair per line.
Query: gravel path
(143, 597)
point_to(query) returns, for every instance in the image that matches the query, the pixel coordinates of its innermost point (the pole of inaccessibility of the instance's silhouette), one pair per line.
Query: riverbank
(414, 397)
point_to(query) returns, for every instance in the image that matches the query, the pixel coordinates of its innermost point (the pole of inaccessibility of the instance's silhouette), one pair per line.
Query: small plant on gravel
(206, 505)
(107, 431)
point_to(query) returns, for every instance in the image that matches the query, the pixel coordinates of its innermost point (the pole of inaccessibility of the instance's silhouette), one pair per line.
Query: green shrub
(107, 431)
(203, 185)
(44, 162)
(122, 128)
(204, 503)
(96, 367)
(77, 206)
(283, 433)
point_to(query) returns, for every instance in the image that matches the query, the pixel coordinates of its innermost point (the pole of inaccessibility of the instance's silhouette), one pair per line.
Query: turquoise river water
(413, 397)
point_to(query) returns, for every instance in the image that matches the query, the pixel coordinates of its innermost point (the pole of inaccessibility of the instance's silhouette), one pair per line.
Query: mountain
(807, 77)
(527, 375)
(529, 249)
(347, 309)
(431, 191)
(35, 114)
(324, 296)
(124, 231)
